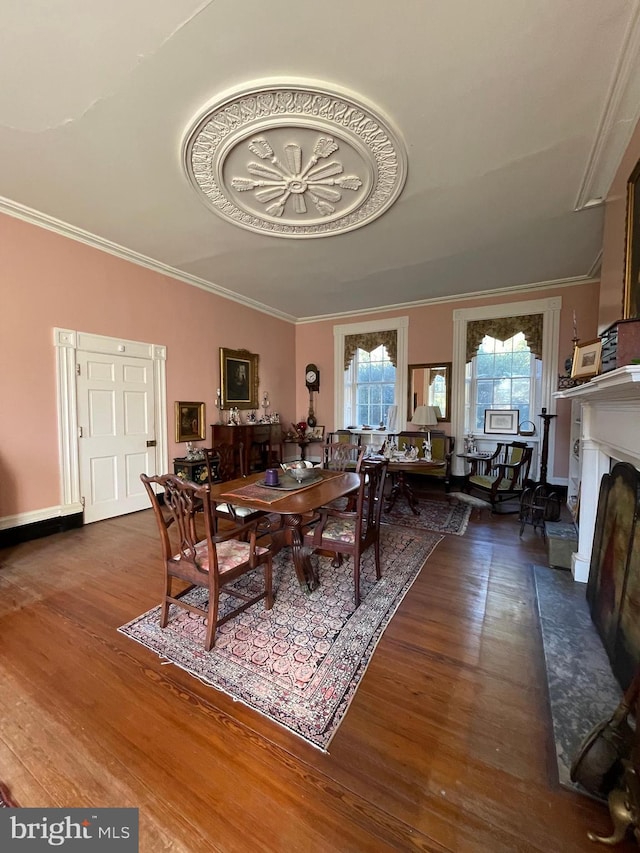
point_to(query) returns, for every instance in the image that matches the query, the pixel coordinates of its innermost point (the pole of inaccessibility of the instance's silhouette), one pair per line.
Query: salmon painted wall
(48, 280)
(430, 339)
(613, 246)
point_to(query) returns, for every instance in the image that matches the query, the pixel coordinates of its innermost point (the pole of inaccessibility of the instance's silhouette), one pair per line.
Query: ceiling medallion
(295, 161)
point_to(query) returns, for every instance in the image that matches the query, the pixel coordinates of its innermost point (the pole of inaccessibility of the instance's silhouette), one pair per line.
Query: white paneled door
(115, 396)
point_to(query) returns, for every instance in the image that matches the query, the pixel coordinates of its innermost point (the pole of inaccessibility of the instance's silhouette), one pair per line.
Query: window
(370, 382)
(360, 377)
(503, 375)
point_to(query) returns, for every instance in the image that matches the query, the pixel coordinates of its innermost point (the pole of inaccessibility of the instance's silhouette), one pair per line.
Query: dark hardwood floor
(447, 745)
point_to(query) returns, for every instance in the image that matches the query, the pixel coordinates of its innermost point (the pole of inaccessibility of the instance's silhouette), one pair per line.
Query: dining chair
(213, 562)
(222, 461)
(351, 532)
(342, 456)
(502, 476)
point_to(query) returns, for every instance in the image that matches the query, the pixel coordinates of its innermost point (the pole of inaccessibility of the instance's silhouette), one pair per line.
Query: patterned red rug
(301, 662)
(436, 516)
(6, 800)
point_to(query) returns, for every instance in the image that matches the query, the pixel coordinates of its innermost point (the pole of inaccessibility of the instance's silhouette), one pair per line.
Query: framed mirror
(430, 385)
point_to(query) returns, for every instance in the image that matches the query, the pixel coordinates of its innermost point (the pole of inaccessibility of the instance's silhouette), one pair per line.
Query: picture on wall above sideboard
(239, 379)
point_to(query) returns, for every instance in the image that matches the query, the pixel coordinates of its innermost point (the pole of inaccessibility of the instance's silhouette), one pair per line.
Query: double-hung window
(502, 375)
(370, 384)
(370, 371)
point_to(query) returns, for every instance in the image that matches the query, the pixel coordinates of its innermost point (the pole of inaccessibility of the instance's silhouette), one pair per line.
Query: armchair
(503, 476)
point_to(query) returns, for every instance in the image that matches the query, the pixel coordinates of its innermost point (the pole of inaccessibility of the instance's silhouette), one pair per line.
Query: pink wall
(431, 340)
(49, 280)
(613, 245)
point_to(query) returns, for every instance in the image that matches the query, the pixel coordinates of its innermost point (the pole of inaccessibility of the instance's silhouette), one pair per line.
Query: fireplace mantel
(610, 433)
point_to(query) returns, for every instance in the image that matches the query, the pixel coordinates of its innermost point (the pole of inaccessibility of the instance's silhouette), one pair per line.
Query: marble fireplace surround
(610, 433)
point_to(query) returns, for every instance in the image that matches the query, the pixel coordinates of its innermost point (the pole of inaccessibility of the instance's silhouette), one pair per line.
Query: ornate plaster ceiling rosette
(295, 160)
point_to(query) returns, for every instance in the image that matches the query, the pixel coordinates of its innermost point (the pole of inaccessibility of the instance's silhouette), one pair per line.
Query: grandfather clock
(312, 381)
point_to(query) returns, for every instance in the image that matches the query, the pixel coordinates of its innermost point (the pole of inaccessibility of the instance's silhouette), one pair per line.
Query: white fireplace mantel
(610, 433)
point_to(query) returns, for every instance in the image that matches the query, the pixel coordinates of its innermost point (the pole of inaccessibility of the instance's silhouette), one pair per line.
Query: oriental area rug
(436, 516)
(299, 663)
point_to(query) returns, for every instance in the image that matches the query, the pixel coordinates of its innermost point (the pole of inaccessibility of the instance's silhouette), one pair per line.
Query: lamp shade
(426, 416)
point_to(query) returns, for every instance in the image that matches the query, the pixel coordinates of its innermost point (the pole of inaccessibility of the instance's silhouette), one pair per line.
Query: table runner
(263, 494)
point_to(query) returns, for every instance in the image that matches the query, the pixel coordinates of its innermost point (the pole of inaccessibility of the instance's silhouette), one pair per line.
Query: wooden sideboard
(257, 441)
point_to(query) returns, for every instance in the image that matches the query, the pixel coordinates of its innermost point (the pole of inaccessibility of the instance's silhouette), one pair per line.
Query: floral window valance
(369, 341)
(503, 328)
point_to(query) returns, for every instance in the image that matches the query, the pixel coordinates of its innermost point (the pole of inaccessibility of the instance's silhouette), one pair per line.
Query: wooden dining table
(398, 469)
(292, 505)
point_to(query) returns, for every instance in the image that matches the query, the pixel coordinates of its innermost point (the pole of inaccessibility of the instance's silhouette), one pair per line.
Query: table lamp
(426, 416)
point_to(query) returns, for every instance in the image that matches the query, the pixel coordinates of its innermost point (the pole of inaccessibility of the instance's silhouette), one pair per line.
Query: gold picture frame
(586, 359)
(631, 297)
(238, 379)
(190, 421)
(315, 433)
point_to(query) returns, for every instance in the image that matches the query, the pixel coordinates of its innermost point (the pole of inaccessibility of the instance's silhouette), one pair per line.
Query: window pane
(363, 372)
(520, 393)
(503, 364)
(485, 393)
(484, 365)
(521, 363)
(502, 393)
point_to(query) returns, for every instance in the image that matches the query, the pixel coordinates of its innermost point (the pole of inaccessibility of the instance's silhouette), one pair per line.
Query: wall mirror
(430, 385)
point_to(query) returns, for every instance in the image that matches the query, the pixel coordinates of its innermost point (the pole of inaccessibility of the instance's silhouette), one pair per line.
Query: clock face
(311, 376)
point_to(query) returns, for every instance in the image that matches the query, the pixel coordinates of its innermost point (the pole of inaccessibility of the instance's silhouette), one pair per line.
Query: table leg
(307, 577)
(401, 487)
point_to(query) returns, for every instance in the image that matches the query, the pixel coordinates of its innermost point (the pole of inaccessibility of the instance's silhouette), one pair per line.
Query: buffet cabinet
(258, 442)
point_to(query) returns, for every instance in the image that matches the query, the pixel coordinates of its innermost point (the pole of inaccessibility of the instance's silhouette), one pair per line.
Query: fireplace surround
(610, 433)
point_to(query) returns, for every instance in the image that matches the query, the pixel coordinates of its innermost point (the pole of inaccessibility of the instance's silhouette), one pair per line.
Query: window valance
(368, 341)
(503, 328)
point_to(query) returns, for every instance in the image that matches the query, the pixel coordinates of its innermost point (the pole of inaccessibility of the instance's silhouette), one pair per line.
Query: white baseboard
(22, 518)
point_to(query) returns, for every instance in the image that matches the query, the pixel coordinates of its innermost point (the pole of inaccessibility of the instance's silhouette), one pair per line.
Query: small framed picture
(316, 433)
(586, 359)
(190, 424)
(501, 421)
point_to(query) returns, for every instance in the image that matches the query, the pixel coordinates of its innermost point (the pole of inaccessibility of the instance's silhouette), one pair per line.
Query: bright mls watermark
(79, 830)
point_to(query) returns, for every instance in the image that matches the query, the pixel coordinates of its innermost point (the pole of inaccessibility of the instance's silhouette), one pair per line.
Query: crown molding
(466, 297)
(50, 223)
(42, 220)
(619, 118)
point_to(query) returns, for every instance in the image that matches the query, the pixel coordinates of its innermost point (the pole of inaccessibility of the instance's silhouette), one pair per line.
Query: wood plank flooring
(447, 745)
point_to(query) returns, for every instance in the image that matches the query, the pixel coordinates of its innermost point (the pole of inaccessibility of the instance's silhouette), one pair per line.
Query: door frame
(68, 343)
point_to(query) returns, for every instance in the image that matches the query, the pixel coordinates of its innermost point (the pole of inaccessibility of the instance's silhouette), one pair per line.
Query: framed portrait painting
(238, 379)
(190, 424)
(631, 298)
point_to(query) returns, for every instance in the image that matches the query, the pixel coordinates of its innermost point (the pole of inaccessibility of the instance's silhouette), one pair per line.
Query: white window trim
(550, 309)
(401, 326)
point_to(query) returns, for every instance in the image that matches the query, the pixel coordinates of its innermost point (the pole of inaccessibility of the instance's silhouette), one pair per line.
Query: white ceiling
(514, 115)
